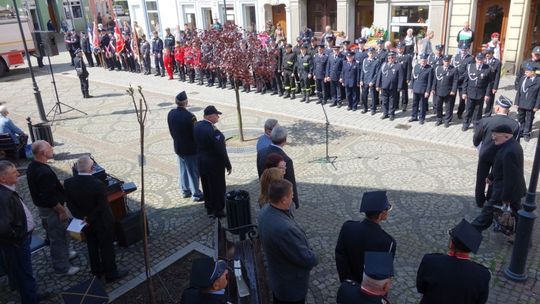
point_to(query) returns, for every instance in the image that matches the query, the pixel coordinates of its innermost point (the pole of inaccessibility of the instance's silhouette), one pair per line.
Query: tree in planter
(239, 58)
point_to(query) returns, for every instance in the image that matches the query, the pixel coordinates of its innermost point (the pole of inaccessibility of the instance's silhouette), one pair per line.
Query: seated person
(207, 284)
(7, 126)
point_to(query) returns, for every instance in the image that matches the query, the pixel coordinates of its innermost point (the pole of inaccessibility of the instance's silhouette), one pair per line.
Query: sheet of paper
(76, 225)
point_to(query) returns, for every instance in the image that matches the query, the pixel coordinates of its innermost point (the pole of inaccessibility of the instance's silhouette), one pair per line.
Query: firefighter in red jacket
(168, 62)
(197, 62)
(179, 58)
(188, 60)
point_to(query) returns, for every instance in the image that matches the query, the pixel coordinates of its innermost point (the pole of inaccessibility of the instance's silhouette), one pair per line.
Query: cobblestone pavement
(430, 184)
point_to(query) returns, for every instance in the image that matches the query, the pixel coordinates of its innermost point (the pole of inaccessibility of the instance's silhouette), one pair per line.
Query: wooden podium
(117, 197)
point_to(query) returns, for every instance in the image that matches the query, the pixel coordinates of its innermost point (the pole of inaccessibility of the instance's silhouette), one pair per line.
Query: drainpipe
(445, 25)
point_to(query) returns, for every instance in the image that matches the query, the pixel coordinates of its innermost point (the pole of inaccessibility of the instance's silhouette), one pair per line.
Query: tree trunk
(239, 110)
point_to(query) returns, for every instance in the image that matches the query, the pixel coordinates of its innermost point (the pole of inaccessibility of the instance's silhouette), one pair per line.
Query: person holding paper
(87, 200)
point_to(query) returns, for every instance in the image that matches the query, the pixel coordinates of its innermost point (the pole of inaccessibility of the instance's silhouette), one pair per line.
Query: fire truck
(11, 44)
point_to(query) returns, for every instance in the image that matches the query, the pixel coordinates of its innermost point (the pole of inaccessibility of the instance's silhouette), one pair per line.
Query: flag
(135, 46)
(96, 36)
(120, 42)
(90, 36)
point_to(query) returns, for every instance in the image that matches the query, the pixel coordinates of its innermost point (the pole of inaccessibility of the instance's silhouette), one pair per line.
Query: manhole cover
(403, 126)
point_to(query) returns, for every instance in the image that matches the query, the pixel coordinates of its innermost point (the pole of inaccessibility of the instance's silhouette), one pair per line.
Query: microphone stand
(327, 159)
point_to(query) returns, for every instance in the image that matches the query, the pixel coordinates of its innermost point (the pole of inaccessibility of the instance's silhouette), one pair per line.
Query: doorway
(491, 17)
(363, 16)
(533, 31)
(207, 18)
(320, 14)
(279, 17)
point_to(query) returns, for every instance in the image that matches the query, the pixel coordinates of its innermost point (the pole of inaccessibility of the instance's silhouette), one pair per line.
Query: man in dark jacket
(534, 61)
(157, 50)
(48, 195)
(368, 76)
(320, 61)
(389, 83)
(279, 139)
(86, 46)
(528, 100)
(495, 66)
(288, 67)
(405, 60)
(487, 148)
(357, 237)
(207, 283)
(16, 225)
(453, 278)
(213, 161)
(181, 122)
(506, 177)
(82, 72)
(349, 79)
(421, 83)
(444, 89)
(285, 246)
(460, 62)
(87, 200)
(333, 72)
(476, 89)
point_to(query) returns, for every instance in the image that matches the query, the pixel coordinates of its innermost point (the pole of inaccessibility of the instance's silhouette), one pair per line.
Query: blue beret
(378, 265)
(374, 201)
(466, 234)
(181, 96)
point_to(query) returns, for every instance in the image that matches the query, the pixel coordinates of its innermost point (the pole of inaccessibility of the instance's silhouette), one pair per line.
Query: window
(250, 20)
(189, 16)
(153, 16)
(408, 16)
(321, 13)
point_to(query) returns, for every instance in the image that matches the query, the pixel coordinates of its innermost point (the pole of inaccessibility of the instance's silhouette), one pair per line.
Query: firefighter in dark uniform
(381, 51)
(359, 56)
(378, 273)
(313, 50)
(460, 62)
(534, 61)
(436, 58)
(444, 90)
(330, 43)
(487, 148)
(477, 90)
(288, 66)
(277, 81)
(495, 66)
(169, 42)
(304, 62)
(528, 99)
(345, 48)
(349, 80)
(207, 283)
(357, 237)
(406, 64)
(369, 70)
(213, 160)
(389, 83)
(80, 68)
(320, 61)
(296, 49)
(298, 45)
(333, 72)
(422, 78)
(453, 278)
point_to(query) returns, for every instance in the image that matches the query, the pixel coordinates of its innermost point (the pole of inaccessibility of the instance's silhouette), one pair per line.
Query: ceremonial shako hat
(423, 56)
(447, 57)
(211, 110)
(400, 45)
(374, 201)
(205, 271)
(530, 67)
(361, 40)
(536, 50)
(378, 265)
(181, 96)
(439, 47)
(381, 41)
(480, 56)
(77, 51)
(466, 235)
(504, 128)
(504, 102)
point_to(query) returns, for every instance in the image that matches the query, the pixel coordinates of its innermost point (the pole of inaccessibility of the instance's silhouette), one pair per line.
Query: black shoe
(339, 105)
(333, 105)
(526, 138)
(219, 214)
(186, 195)
(89, 96)
(349, 108)
(404, 109)
(413, 119)
(372, 113)
(364, 111)
(273, 93)
(438, 123)
(287, 96)
(446, 124)
(392, 118)
(460, 116)
(119, 274)
(354, 109)
(384, 116)
(293, 96)
(465, 127)
(280, 94)
(158, 74)
(318, 101)
(421, 121)
(198, 199)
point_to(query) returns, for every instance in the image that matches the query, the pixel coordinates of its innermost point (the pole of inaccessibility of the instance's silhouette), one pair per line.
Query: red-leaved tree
(238, 54)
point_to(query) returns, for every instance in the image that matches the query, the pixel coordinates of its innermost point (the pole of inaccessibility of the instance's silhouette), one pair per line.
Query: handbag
(505, 221)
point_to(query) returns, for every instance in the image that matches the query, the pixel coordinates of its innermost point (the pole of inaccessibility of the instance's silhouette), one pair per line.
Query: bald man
(48, 195)
(87, 200)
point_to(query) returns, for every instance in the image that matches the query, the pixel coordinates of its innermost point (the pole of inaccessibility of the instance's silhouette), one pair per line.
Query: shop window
(404, 17)
(76, 9)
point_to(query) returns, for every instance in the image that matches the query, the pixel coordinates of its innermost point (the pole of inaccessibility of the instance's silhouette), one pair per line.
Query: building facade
(517, 21)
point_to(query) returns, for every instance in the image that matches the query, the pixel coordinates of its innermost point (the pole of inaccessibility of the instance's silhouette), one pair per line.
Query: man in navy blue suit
(349, 79)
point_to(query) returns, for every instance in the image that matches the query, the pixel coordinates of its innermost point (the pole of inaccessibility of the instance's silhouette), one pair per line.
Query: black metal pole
(526, 217)
(37, 93)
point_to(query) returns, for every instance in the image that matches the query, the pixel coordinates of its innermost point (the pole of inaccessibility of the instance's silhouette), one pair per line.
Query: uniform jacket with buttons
(390, 76)
(478, 81)
(528, 93)
(319, 65)
(445, 81)
(349, 73)
(334, 66)
(422, 78)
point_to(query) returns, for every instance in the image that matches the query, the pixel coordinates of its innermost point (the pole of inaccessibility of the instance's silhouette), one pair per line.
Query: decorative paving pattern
(430, 186)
